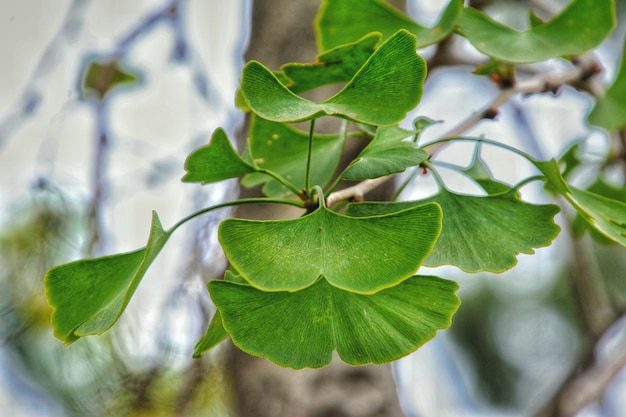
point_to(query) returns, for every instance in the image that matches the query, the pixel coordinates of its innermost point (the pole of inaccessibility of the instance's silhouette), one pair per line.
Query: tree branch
(582, 71)
(356, 192)
(99, 183)
(590, 377)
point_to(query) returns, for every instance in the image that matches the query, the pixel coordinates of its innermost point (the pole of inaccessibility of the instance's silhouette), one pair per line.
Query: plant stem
(537, 84)
(343, 133)
(333, 186)
(307, 178)
(239, 202)
(356, 191)
(438, 178)
(283, 181)
(461, 170)
(438, 143)
(320, 195)
(406, 182)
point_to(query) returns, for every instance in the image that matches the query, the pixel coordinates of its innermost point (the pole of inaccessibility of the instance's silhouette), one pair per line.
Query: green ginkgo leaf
(609, 111)
(387, 153)
(216, 161)
(383, 90)
(214, 335)
(534, 20)
(606, 215)
(601, 188)
(580, 27)
(480, 233)
(343, 21)
(283, 149)
(362, 255)
(102, 77)
(303, 328)
(571, 160)
(479, 172)
(336, 65)
(265, 95)
(88, 296)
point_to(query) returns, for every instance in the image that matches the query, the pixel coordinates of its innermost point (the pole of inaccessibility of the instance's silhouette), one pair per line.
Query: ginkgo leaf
(269, 98)
(303, 328)
(606, 215)
(382, 91)
(571, 160)
(601, 188)
(387, 86)
(609, 111)
(580, 27)
(102, 77)
(336, 65)
(88, 296)
(480, 233)
(386, 154)
(214, 335)
(216, 161)
(283, 149)
(479, 172)
(343, 21)
(363, 255)
(534, 20)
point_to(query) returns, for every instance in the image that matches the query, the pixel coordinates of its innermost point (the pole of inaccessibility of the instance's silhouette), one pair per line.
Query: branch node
(490, 113)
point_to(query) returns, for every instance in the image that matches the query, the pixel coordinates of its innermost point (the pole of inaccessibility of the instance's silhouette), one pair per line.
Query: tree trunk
(282, 31)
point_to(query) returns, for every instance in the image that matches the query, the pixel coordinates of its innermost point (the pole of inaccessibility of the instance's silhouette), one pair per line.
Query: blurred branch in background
(145, 367)
(32, 95)
(558, 323)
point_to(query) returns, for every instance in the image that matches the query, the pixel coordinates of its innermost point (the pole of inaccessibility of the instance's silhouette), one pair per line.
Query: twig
(98, 183)
(589, 379)
(592, 293)
(584, 67)
(590, 385)
(356, 192)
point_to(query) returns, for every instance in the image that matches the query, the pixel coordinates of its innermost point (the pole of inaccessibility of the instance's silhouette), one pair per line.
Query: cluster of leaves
(345, 281)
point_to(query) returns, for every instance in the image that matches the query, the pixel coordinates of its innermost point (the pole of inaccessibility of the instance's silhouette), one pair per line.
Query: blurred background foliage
(514, 339)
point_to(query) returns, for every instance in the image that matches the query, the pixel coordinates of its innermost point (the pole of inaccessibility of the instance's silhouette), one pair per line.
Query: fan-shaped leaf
(88, 296)
(283, 149)
(301, 329)
(342, 21)
(103, 77)
(580, 27)
(606, 215)
(600, 188)
(480, 233)
(216, 161)
(386, 154)
(480, 173)
(269, 98)
(363, 255)
(384, 89)
(214, 335)
(388, 85)
(336, 65)
(610, 111)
